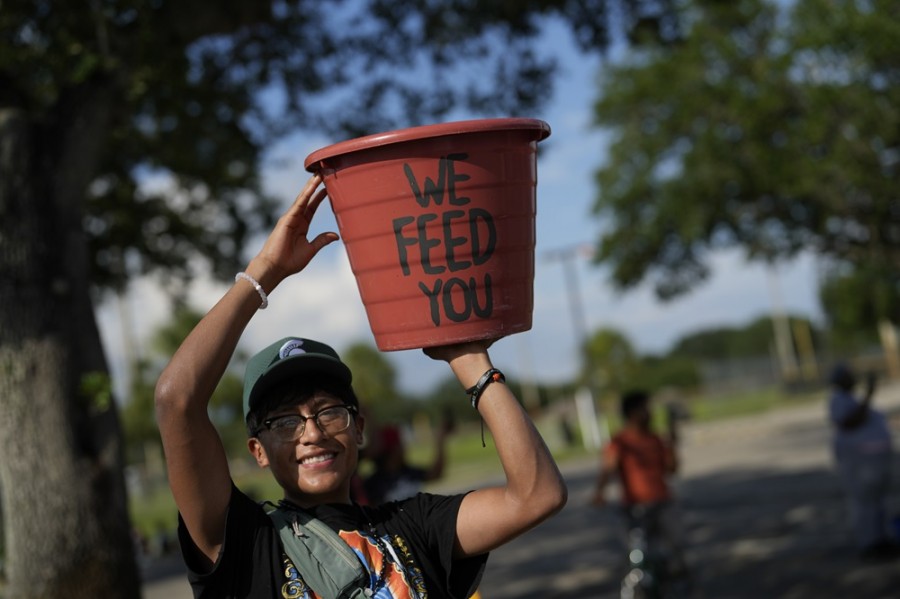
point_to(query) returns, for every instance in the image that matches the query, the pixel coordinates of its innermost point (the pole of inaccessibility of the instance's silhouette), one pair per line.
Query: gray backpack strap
(325, 561)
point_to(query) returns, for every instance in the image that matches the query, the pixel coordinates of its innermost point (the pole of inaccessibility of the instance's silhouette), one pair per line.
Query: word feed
(445, 243)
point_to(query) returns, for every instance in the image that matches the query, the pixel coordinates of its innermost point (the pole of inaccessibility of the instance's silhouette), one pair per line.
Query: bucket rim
(376, 140)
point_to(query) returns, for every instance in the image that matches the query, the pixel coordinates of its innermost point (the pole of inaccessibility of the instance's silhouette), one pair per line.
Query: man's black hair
(297, 391)
(633, 401)
(842, 376)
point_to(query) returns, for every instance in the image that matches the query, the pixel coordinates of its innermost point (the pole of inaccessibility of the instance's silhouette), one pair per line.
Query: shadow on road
(762, 532)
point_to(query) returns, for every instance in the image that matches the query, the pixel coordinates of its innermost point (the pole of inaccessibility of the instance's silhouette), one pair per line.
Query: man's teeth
(318, 458)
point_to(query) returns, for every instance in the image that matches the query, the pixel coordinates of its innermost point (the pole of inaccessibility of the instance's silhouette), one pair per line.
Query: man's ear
(258, 452)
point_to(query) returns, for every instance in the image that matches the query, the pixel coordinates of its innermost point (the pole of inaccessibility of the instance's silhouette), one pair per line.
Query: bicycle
(652, 572)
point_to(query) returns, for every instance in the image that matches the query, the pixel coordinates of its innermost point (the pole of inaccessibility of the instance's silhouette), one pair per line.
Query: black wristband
(475, 391)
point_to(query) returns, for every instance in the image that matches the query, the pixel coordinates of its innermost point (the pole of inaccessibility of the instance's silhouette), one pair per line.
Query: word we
(430, 237)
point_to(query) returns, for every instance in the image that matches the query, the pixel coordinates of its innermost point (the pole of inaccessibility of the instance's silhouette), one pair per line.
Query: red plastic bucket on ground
(439, 226)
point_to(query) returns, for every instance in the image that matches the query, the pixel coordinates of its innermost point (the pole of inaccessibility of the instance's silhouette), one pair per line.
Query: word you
(429, 236)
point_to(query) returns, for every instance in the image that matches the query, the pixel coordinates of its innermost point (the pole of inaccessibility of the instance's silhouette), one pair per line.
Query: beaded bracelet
(491, 376)
(256, 285)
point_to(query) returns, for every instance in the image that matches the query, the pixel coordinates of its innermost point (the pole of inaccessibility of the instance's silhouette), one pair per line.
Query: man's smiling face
(316, 466)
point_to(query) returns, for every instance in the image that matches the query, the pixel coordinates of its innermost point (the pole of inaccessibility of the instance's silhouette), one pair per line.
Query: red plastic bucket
(439, 226)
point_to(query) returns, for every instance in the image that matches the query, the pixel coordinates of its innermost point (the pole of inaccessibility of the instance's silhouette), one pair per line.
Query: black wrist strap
(491, 376)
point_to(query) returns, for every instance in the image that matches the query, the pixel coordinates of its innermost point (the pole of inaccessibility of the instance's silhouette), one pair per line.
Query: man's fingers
(323, 239)
(303, 199)
(314, 202)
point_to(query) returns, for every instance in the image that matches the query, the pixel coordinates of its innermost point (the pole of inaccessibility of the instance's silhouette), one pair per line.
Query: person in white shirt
(862, 448)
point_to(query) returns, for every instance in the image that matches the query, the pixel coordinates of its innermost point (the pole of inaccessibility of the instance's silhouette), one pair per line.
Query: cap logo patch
(291, 348)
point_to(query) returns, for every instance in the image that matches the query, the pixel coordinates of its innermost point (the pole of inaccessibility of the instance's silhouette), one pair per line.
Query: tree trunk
(61, 474)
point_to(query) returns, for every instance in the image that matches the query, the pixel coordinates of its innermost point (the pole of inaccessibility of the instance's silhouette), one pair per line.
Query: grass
(467, 461)
(747, 403)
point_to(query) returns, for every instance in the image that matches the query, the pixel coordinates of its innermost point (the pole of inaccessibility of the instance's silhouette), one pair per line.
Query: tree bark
(65, 513)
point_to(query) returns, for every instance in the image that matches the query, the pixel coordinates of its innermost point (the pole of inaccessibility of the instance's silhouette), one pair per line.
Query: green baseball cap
(287, 358)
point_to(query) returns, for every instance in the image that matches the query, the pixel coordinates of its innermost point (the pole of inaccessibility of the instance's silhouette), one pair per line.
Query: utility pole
(584, 399)
(784, 341)
(567, 256)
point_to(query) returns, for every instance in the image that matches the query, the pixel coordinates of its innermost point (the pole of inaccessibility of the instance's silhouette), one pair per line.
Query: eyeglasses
(331, 421)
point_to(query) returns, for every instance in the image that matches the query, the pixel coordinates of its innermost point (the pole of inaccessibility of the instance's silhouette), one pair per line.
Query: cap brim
(296, 366)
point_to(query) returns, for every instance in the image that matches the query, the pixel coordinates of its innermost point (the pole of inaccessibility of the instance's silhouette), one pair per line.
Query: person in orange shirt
(643, 461)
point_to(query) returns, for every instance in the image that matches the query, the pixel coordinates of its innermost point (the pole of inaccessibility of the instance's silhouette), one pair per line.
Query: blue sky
(323, 302)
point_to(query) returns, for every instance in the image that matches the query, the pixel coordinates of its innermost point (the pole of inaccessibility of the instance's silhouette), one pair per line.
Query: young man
(643, 461)
(305, 427)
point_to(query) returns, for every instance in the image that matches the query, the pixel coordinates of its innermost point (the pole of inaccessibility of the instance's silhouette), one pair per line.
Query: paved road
(763, 510)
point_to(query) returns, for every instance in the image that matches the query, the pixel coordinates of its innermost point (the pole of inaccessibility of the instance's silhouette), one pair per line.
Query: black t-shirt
(382, 486)
(418, 533)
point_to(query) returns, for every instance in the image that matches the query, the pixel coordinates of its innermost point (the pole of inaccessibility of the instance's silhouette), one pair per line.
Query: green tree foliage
(855, 300)
(656, 373)
(375, 382)
(610, 358)
(138, 416)
(227, 412)
(225, 407)
(448, 400)
(707, 344)
(771, 127)
(752, 340)
(226, 404)
(617, 366)
(167, 338)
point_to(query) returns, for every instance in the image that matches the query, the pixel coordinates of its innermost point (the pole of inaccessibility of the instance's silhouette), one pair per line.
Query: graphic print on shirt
(404, 580)
(294, 587)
